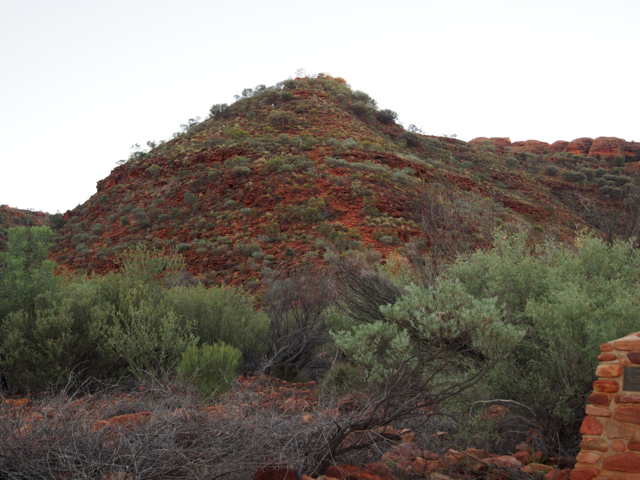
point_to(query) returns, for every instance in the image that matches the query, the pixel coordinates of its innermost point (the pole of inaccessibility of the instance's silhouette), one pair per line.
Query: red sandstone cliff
(601, 147)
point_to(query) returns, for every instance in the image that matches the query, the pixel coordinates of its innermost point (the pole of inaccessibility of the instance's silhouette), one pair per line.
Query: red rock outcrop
(533, 146)
(579, 146)
(602, 147)
(500, 142)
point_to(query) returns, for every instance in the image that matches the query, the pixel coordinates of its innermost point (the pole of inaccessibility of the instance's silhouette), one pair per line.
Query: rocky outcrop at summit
(606, 148)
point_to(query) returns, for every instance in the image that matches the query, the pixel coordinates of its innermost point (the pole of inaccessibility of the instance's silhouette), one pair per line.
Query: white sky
(81, 81)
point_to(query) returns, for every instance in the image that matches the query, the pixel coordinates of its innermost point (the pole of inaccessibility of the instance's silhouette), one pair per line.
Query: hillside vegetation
(362, 277)
(286, 171)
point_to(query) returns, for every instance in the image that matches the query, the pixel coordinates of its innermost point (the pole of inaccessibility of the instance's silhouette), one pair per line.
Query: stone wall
(610, 446)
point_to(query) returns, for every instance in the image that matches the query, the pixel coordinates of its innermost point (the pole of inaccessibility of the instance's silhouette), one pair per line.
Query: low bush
(212, 368)
(577, 177)
(411, 139)
(221, 314)
(388, 117)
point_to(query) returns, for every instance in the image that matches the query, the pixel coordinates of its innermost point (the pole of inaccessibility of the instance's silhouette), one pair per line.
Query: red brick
(627, 345)
(597, 411)
(594, 444)
(628, 414)
(606, 347)
(634, 357)
(634, 446)
(584, 473)
(618, 446)
(609, 370)
(627, 399)
(618, 430)
(588, 457)
(591, 426)
(606, 386)
(627, 462)
(607, 357)
(600, 399)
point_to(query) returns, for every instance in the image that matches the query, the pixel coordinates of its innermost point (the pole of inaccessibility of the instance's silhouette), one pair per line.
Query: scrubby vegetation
(302, 234)
(518, 322)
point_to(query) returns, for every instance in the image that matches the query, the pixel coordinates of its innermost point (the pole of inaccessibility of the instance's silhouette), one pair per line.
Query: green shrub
(241, 171)
(248, 249)
(350, 143)
(146, 335)
(403, 176)
(220, 110)
(360, 109)
(221, 314)
(191, 200)
(619, 180)
(570, 300)
(512, 161)
(412, 139)
(590, 173)
(237, 161)
(236, 133)
(183, 247)
(577, 177)
(281, 119)
(551, 170)
(388, 117)
(154, 170)
(25, 271)
(275, 163)
(211, 368)
(58, 340)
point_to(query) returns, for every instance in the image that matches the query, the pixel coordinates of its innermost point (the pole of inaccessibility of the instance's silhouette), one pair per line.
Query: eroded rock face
(602, 147)
(499, 142)
(533, 146)
(579, 146)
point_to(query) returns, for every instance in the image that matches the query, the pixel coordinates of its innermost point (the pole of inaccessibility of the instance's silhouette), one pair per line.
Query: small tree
(388, 117)
(25, 271)
(281, 119)
(296, 306)
(432, 345)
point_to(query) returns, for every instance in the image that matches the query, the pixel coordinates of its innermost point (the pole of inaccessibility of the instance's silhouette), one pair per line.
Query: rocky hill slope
(273, 180)
(14, 217)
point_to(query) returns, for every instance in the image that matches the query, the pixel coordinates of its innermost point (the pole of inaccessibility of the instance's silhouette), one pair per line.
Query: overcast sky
(81, 81)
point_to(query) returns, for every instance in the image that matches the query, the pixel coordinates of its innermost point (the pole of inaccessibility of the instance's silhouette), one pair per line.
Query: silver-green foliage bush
(438, 329)
(211, 368)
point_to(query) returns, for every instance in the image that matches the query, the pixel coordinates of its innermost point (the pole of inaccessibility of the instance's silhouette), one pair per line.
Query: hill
(14, 217)
(273, 180)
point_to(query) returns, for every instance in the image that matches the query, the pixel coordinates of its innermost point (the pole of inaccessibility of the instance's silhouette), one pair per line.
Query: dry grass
(58, 437)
